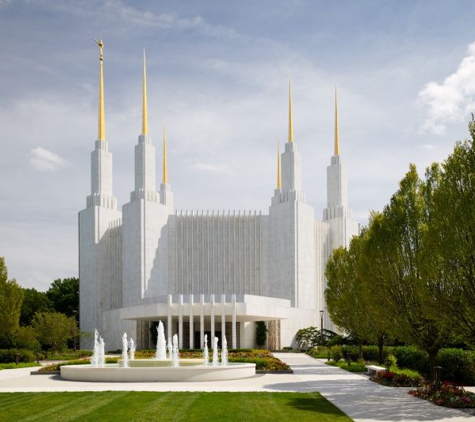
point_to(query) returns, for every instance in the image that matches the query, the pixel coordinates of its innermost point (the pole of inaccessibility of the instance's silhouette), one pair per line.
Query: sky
(218, 73)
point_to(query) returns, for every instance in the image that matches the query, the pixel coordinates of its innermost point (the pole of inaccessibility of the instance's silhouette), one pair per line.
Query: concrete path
(354, 394)
(362, 399)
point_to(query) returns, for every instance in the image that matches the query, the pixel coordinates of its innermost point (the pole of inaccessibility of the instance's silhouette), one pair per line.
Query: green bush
(9, 355)
(411, 357)
(457, 366)
(335, 353)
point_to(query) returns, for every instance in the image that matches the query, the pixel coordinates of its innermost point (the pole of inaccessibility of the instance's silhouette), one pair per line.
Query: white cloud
(451, 100)
(43, 160)
(211, 168)
(427, 146)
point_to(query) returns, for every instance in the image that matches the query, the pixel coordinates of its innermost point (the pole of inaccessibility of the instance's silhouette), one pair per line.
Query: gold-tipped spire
(279, 174)
(144, 104)
(101, 131)
(165, 171)
(337, 134)
(291, 124)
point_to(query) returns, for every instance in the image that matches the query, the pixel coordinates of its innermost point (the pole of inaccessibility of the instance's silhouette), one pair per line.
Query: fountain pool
(159, 370)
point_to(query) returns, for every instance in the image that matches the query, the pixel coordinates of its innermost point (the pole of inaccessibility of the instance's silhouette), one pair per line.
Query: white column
(212, 319)
(180, 322)
(223, 317)
(192, 330)
(169, 321)
(202, 321)
(234, 342)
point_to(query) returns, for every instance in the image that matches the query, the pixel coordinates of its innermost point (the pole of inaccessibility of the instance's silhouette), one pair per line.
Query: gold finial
(165, 171)
(337, 134)
(144, 104)
(291, 124)
(279, 175)
(101, 131)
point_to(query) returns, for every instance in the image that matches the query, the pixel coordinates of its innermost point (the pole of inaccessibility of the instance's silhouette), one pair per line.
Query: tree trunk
(380, 348)
(432, 363)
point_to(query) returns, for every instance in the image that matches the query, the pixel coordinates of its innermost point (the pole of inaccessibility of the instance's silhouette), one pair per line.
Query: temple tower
(291, 233)
(145, 231)
(94, 227)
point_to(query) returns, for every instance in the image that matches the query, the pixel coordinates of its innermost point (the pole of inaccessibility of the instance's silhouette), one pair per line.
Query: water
(215, 351)
(125, 356)
(132, 349)
(224, 352)
(161, 343)
(98, 356)
(170, 348)
(175, 356)
(205, 351)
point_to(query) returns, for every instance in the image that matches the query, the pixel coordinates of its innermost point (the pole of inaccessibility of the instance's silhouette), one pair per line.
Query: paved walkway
(354, 394)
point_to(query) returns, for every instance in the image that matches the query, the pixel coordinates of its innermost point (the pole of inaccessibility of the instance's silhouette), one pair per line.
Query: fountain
(98, 356)
(161, 370)
(215, 351)
(205, 351)
(132, 349)
(224, 352)
(161, 344)
(125, 356)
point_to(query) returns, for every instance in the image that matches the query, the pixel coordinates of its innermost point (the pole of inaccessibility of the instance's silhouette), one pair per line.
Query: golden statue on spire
(101, 130)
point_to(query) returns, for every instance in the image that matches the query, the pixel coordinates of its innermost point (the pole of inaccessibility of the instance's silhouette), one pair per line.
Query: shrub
(411, 357)
(336, 353)
(457, 366)
(392, 379)
(445, 394)
(9, 355)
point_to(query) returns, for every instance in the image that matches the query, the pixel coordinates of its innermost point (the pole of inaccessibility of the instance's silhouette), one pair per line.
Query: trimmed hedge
(9, 355)
(457, 366)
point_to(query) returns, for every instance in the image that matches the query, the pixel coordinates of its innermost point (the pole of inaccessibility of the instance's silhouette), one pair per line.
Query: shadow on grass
(319, 405)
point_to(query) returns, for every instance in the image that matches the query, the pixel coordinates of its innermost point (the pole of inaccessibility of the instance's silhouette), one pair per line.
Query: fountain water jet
(125, 356)
(98, 356)
(175, 351)
(215, 351)
(224, 352)
(132, 349)
(161, 343)
(205, 351)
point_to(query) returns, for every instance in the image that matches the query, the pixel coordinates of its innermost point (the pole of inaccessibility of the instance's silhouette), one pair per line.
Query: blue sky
(218, 72)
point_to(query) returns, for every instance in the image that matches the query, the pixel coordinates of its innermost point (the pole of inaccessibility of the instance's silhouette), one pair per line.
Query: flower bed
(445, 394)
(392, 379)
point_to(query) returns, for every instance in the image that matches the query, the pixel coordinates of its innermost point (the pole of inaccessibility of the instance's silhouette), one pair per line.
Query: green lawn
(169, 406)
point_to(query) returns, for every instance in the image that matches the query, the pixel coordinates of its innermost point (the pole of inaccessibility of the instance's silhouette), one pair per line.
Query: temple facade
(212, 272)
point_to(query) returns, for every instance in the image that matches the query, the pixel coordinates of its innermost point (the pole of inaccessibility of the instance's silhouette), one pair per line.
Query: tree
(25, 338)
(33, 301)
(392, 268)
(10, 303)
(64, 296)
(348, 303)
(452, 237)
(54, 329)
(261, 333)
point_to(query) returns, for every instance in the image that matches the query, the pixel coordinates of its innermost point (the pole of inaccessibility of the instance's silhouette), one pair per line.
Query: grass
(15, 366)
(354, 367)
(135, 406)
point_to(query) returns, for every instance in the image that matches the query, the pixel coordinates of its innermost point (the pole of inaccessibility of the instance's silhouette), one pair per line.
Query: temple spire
(144, 104)
(165, 170)
(279, 173)
(101, 131)
(337, 134)
(291, 124)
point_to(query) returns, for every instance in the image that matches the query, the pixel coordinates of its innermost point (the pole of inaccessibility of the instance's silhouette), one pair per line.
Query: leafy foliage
(393, 379)
(33, 302)
(11, 297)
(261, 333)
(446, 394)
(64, 296)
(54, 329)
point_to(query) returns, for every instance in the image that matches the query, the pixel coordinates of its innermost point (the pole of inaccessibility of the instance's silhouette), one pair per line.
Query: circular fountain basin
(162, 363)
(158, 373)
